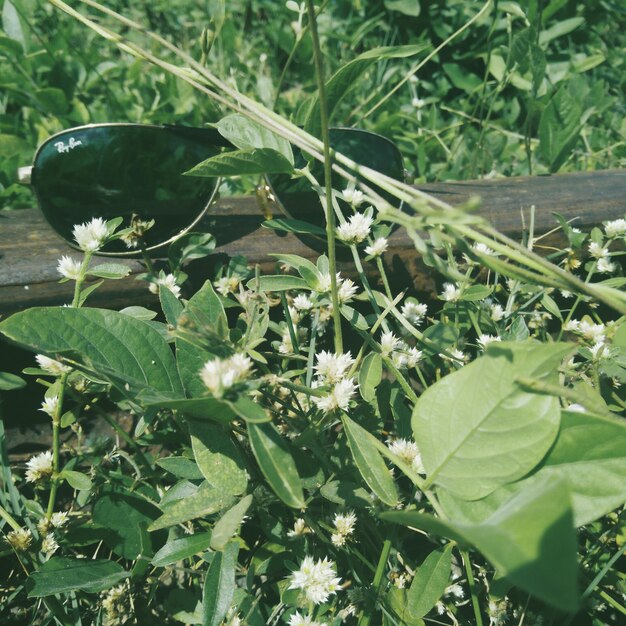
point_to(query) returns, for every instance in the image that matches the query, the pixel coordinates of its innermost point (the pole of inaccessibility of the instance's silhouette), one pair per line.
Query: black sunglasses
(136, 170)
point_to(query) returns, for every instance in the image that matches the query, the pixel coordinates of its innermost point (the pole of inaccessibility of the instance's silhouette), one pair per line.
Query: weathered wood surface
(29, 249)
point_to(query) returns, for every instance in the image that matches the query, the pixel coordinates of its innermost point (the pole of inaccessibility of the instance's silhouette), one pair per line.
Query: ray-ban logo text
(66, 147)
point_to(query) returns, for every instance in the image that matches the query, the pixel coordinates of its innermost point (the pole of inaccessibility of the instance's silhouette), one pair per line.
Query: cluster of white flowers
(165, 280)
(332, 368)
(408, 452)
(353, 196)
(338, 398)
(56, 520)
(594, 333)
(484, 340)
(19, 539)
(615, 228)
(91, 235)
(39, 467)
(228, 284)
(414, 311)
(344, 527)
(451, 292)
(298, 619)
(356, 229)
(49, 544)
(496, 312)
(302, 302)
(378, 247)
(299, 529)
(346, 289)
(50, 405)
(56, 368)
(220, 374)
(114, 604)
(317, 579)
(389, 343)
(602, 256)
(69, 267)
(454, 354)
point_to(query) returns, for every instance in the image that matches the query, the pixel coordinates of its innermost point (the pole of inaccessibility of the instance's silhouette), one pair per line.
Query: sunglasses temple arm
(24, 174)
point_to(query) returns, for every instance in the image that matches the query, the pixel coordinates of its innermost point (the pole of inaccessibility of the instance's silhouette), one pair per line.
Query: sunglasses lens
(364, 147)
(121, 171)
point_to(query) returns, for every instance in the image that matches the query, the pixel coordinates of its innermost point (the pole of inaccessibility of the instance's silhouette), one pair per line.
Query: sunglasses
(136, 171)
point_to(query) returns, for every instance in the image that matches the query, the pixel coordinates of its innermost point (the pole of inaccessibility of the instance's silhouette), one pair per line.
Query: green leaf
(10, 382)
(559, 127)
(243, 162)
(124, 514)
(430, 582)
(477, 430)
(218, 457)
(249, 410)
(228, 524)
(62, 575)
(246, 135)
(219, 585)
(278, 282)
(354, 317)
(475, 293)
(346, 77)
(207, 500)
(276, 463)
(346, 493)
(530, 540)
(205, 408)
(180, 466)
(77, 480)
(369, 462)
(559, 29)
(109, 270)
(370, 375)
(172, 307)
(180, 549)
(303, 266)
(406, 7)
(189, 247)
(11, 23)
(128, 349)
(294, 226)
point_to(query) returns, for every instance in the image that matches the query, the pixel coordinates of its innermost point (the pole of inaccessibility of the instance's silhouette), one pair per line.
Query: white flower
(331, 368)
(356, 229)
(49, 405)
(496, 312)
(589, 330)
(302, 302)
(418, 103)
(388, 343)
(318, 580)
(377, 248)
(599, 350)
(338, 398)
(338, 540)
(408, 452)
(615, 228)
(299, 528)
(482, 248)
(455, 355)
(59, 519)
(39, 467)
(450, 293)
(49, 545)
(91, 235)
(414, 311)
(303, 620)
(69, 268)
(484, 340)
(56, 368)
(168, 281)
(221, 374)
(455, 590)
(576, 408)
(596, 250)
(227, 284)
(605, 266)
(344, 523)
(19, 539)
(346, 291)
(413, 357)
(353, 196)
(565, 293)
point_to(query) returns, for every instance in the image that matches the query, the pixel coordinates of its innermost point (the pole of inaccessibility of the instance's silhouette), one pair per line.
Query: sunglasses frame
(28, 175)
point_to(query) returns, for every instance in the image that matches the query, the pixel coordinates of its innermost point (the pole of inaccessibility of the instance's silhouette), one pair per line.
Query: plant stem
(56, 445)
(472, 585)
(9, 519)
(365, 618)
(330, 214)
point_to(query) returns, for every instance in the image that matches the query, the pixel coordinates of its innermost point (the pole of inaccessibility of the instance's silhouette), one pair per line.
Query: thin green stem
(330, 214)
(366, 617)
(81, 279)
(472, 585)
(56, 445)
(9, 519)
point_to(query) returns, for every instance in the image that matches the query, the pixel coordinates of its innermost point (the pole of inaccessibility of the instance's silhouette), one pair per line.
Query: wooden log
(29, 249)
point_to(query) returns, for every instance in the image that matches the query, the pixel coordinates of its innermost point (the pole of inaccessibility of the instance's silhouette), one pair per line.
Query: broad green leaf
(180, 549)
(303, 266)
(369, 462)
(172, 307)
(397, 612)
(10, 382)
(180, 466)
(346, 77)
(218, 457)
(461, 78)
(109, 270)
(249, 410)
(370, 375)
(559, 29)
(227, 525)
(530, 540)
(346, 493)
(124, 514)
(278, 282)
(477, 429)
(276, 463)
(64, 574)
(430, 581)
(354, 317)
(102, 340)
(559, 127)
(246, 134)
(219, 585)
(12, 24)
(77, 480)
(476, 292)
(243, 162)
(206, 408)
(207, 500)
(406, 7)
(189, 247)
